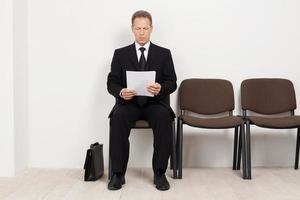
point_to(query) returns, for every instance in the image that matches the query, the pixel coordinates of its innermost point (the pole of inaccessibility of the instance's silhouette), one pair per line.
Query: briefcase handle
(93, 145)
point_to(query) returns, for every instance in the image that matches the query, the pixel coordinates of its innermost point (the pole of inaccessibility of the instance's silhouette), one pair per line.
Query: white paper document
(139, 80)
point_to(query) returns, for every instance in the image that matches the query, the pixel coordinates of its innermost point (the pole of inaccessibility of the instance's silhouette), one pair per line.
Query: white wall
(20, 53)
(70, 47)
(7, 166)
(13, 87)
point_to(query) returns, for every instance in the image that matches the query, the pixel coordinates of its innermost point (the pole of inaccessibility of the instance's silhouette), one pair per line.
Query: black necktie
(142, 62)
(142, 100)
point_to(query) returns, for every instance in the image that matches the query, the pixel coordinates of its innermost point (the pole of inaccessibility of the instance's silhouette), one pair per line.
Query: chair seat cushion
(141, 124)
(278, 122)
(215, 123)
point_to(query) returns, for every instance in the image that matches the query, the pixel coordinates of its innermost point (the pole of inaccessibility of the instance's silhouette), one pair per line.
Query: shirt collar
(138, 46)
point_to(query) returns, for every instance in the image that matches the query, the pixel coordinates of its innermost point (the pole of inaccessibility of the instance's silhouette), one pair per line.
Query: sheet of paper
(139, 80)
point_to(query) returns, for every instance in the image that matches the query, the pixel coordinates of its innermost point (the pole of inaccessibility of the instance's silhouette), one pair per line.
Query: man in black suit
(142, 55)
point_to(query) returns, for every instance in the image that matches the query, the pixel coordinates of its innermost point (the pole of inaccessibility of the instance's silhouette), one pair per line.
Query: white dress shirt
(139, 53)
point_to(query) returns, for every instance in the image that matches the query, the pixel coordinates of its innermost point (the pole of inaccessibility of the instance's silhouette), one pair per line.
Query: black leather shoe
(116, 182)
(161, 181)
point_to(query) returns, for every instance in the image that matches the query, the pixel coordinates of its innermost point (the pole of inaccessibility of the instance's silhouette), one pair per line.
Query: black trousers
(121, 122)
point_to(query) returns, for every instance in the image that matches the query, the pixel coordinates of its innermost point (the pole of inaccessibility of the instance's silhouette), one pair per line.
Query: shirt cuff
(120, 94)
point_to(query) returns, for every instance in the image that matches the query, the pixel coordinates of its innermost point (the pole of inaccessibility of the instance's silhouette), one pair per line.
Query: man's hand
(154, 88)
(127, 94)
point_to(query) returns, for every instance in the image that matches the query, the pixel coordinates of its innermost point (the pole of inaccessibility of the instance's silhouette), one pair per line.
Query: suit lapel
(151, 57)
(133, 57)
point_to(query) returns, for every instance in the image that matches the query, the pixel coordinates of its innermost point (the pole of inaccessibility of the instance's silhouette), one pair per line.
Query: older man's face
(141, 29)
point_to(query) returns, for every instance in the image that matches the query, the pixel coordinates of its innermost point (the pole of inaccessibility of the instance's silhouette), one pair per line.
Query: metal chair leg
(179, 147)
(243, 149)
(248, 151)
(234, 165)
(297, 149)
(173, 154)
(238, 166)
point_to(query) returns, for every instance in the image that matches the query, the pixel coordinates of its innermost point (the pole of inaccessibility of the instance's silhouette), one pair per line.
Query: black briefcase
(93, 164)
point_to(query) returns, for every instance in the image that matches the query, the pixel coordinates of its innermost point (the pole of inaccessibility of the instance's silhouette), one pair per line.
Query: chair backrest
(206, 96)
(268, 95)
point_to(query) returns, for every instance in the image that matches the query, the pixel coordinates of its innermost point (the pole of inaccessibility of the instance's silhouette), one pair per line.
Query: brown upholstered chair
(268, 97)
(208, 97)
(143, 124)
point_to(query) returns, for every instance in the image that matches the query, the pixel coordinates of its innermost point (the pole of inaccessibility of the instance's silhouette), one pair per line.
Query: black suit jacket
(159, 60)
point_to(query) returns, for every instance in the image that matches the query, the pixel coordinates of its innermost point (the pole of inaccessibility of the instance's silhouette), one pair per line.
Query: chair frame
(238, 147)
(248, 136)
(248, 143)
(239, 142)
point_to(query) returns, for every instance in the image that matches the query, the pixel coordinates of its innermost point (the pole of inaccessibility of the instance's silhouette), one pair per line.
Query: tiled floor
(200, 183)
